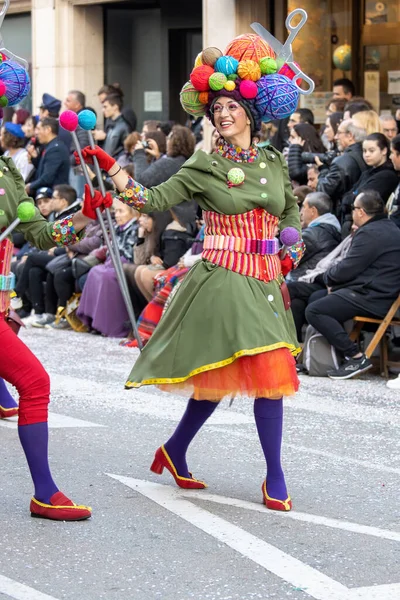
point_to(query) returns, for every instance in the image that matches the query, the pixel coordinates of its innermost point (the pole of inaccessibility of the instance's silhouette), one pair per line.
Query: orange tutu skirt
(267, 375)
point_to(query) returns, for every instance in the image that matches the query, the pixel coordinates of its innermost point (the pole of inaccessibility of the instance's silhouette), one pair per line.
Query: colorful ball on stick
(248, 69)
(87, 119)
(227, 65)
(229, 86)
(69, 120)
(26, 211)
(249, 46)
(268, 65)
(210, 55)
(277, 97)
(3, 88)
(16, 79)
(190, 101)
(217, 81)
(200, 76)
(248, 89)
(3, 101)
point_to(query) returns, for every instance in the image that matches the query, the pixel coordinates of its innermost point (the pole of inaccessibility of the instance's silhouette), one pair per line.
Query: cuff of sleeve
(63, 232)
(135, 194)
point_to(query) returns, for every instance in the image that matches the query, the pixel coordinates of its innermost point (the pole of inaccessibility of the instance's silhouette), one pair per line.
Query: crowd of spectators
(345, 175)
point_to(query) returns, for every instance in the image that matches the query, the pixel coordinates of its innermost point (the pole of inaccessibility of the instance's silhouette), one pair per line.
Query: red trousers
(20, 367)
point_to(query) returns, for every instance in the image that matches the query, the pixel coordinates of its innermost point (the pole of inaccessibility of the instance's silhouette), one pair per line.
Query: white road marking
(19, 591)
(314, 583)
(55, 422)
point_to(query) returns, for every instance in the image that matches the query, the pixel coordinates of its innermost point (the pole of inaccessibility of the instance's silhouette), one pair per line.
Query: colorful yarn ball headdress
(14, 76)
(256, 70)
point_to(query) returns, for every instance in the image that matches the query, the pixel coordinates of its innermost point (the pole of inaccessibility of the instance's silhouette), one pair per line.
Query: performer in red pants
(18, 365)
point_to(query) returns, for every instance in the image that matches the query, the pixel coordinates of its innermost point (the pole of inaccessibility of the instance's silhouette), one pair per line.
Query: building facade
(148, 46)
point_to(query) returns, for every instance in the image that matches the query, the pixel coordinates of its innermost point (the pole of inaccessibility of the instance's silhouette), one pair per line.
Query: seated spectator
(101, 306)
(44, 202)
(368, 120)
(52, 164)
(12, 142)
(343, 89)
(29, 128)
(311, 285)
(176, 239)
(380, 176)
(301, 192)
(180, 147)
(365, 283)
(394, 200)
(389, 126)
(345, 169)
(64, 202)
(303, 138)
(320, 232)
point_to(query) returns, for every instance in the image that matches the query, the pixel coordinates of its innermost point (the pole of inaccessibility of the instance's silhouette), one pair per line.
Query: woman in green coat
(229, 330)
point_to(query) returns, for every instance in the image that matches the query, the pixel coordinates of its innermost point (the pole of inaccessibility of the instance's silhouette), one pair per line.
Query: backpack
(318, 356)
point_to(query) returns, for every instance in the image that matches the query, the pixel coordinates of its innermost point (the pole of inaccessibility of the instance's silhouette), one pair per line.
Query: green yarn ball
(217, 81)
(190, 101)
(233, 77)
(236, 176)
(26, 211)
(3, 101)
(268, 65)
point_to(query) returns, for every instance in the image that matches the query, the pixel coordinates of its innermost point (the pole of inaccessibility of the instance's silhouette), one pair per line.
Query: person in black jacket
(321, 232)
(52, 164)
(303, 138)
(116, 129)
(394, 201)
(346, 169)
(365, 283)
(380, 176)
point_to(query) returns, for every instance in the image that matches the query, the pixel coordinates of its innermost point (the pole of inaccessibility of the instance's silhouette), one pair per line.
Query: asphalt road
(148, 540)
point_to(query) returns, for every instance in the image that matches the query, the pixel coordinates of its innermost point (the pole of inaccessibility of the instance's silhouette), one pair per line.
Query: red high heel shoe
(162, 460)
(5, 413)
(60, 508)
(273, 503)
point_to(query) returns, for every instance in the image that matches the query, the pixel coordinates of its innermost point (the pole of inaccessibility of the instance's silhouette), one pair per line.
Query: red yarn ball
(248, 89)
(69, 120)
(289, 73)
(3, 88)
(199, 77)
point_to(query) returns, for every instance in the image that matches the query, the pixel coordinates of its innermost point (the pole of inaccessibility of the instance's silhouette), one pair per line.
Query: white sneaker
(62, 324)
(43, 320)
(394, 384)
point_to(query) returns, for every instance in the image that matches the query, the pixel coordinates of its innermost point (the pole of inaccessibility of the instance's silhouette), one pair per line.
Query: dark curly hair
(182, 142)
(12, 141)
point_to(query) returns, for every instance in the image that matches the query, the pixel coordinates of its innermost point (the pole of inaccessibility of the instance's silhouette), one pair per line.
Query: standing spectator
(320, 232)
(50, 107)
(127, 112)
(368, 120)
(303, 138)
(355, 105)
(365, 283)
(394, 201)
(335, 106)
(301, 115)
(346, 169)
(129, 144)
(389, 126)
(52, 165)
(312, 177)
(29, 127)
(76, 101)
(343, 89)
(117, 129)
(13, 141)
(331, 127)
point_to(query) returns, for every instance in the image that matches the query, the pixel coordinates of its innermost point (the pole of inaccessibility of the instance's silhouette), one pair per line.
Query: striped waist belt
(7, 282)
(243, 245)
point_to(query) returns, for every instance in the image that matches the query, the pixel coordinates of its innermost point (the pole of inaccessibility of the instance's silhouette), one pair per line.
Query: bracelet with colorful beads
(135, 194)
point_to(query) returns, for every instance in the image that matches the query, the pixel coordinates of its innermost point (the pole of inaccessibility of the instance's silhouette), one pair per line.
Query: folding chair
(379, 336)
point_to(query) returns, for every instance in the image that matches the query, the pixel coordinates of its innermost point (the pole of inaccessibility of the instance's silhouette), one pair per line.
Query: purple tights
(6, 400)
(268, 416)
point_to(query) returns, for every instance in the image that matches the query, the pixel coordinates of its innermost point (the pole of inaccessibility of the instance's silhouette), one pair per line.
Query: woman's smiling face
(231, 119)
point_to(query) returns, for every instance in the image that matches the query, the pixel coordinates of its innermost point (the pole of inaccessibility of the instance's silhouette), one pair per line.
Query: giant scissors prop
(284, 52)
(4, 50)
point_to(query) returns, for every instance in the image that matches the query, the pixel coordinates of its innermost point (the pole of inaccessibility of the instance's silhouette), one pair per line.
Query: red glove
(286, 265)
(105, 160)
(90, 204)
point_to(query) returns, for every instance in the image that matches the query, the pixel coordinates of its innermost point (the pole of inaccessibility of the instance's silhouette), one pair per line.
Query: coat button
(214, 163)
(262, 165)
(263, 180)
(264, 195)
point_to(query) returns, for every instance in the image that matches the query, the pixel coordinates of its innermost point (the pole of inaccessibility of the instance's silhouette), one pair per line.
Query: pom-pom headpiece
(255, 70)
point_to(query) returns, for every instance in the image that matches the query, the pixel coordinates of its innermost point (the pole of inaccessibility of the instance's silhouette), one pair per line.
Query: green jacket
(12, 192)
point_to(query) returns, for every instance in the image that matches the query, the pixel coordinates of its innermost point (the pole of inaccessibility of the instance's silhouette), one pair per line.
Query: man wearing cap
(13, 141)
(50, 107)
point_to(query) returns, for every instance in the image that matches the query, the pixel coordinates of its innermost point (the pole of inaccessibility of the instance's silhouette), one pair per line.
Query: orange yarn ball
(249, 46)
(200, 76)
(248, 69)
(203, 97)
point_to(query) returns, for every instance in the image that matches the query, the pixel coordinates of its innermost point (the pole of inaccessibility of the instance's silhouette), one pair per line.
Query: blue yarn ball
(277, 97)
(227, 65)
(16, 80)
(87, 119)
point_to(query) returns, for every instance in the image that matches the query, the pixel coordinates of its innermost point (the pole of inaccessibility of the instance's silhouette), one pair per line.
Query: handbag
(57, 263)
(80, 266)
(14, 321)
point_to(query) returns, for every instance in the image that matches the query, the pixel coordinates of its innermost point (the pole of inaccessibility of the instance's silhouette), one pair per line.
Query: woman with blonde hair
(368, 120)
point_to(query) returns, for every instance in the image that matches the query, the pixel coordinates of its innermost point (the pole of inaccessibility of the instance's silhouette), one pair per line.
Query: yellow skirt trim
(222, 363)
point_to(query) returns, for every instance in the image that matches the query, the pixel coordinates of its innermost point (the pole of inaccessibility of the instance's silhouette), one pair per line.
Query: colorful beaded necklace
(236, 153)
